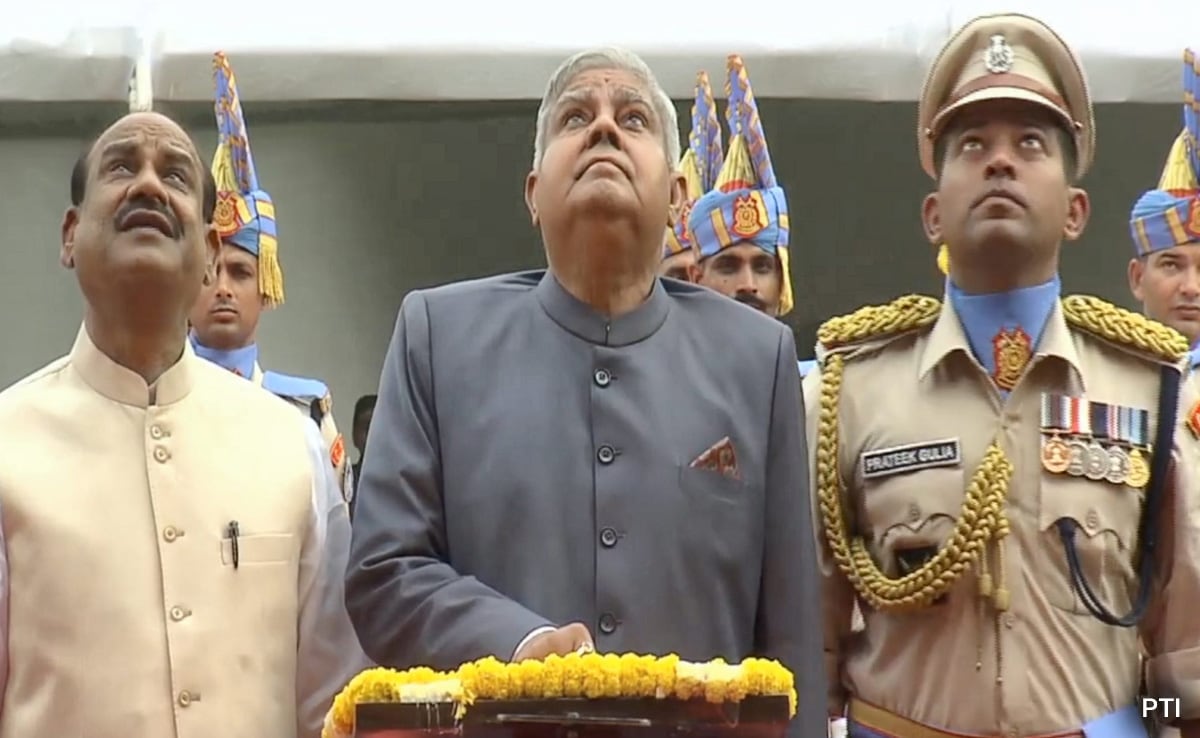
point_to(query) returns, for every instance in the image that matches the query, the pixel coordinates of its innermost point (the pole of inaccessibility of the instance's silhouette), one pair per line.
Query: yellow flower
(552, 676)
(591, 676)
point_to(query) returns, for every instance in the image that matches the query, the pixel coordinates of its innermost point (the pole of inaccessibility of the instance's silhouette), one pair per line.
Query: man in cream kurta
(159, 581)
(127, 616)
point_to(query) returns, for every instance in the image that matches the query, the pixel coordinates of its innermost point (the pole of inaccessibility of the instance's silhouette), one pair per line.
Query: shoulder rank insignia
(873, 322)
(300, 388)
(1125, 329)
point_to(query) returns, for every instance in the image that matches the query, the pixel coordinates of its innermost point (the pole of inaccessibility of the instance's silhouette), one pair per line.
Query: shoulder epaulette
(299, 388)
(877, 322)
(1125, 329)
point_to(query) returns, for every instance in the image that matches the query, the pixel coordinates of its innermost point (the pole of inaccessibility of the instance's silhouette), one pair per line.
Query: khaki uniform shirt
(1046, 664)
(124, 608)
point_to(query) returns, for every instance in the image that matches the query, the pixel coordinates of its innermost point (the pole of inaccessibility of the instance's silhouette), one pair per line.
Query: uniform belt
(890, 725)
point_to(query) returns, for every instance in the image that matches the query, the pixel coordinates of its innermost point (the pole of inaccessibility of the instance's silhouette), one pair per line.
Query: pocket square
(720, 457)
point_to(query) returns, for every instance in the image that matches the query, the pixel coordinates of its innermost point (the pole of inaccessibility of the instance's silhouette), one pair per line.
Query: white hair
(608, 58)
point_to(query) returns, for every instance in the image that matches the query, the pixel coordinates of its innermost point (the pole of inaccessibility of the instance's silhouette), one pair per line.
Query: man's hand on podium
(562, 641)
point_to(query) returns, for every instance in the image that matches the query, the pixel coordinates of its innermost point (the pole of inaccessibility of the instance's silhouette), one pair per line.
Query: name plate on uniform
(885, 462)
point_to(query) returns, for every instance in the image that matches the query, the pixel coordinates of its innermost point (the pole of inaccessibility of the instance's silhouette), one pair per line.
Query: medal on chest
(1095, 440)
(1011, 351)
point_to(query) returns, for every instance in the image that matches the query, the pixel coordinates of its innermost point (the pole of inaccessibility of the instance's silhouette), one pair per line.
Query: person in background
(1164, 273)
(249, 278)
(364, 408)
(577, 507)
(156, 579)
(739, 227)
(699, 167)
(982, 463)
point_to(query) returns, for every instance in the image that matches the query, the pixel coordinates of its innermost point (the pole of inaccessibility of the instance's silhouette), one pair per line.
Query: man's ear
(212, 253)
(1137, 268)
(66, 254)
(931, 219)
(678, 198)
(1079, 209)
(530, 186)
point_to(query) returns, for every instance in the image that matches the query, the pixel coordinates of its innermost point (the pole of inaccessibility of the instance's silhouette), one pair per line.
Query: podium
(752, 717)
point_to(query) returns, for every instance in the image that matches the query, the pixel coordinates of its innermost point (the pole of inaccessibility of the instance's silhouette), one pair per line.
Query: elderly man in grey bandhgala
(588, 448)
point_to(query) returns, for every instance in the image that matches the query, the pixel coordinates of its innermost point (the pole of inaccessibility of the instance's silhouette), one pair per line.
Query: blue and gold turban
(700, 163)
(746, 203)
(1169, 216)
(245, 215)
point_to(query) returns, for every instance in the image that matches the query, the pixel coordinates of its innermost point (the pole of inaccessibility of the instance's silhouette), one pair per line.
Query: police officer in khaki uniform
(699, 165)
(225, 318)
(981, 462)
(156, 579)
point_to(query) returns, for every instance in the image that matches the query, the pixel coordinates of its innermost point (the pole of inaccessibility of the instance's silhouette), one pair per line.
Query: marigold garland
(590, 676)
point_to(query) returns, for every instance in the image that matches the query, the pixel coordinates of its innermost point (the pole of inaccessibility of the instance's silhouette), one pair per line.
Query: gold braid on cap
(983, 519)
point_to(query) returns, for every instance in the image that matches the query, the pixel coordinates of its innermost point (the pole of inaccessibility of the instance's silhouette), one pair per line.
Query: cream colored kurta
(126, 613)
(1060, 667)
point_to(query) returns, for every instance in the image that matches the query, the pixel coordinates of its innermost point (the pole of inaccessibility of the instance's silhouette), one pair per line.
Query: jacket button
(608, 623)
(602, 378)
(608, 537)
(606, 454)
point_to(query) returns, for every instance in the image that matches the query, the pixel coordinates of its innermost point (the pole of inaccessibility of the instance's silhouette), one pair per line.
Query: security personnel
(981, 462)
(700, 164)
(249, 279)
(1164, 274)
(740, 226)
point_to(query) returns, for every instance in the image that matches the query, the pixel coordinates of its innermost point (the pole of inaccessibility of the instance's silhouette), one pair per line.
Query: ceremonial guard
(699, 166)
(1164, 274)
(998, 478)
(249, 278)
(739, 227)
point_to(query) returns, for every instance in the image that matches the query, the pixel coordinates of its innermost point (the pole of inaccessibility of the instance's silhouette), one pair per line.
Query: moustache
(152, 206)
(748, 299)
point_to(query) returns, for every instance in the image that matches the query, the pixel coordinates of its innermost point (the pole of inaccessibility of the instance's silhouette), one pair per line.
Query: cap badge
(999, 55)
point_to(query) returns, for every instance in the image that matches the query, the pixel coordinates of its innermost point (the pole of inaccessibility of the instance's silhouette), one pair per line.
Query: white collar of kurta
(125, 386)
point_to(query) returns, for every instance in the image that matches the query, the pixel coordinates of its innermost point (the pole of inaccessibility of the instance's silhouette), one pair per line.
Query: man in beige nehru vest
(159, 581)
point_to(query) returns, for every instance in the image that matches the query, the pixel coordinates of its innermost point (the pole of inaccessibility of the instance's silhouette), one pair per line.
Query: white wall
(374, 200)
